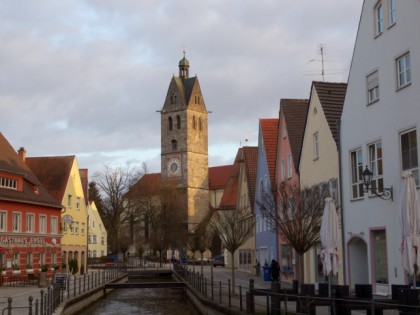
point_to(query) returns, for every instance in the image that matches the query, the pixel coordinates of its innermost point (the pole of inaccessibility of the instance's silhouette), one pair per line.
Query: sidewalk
(19, 294)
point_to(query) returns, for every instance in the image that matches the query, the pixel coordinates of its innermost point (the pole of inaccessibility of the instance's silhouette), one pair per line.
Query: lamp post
(383, 193)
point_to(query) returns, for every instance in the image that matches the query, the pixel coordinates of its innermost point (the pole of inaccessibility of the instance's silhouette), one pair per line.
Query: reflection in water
(142, 301)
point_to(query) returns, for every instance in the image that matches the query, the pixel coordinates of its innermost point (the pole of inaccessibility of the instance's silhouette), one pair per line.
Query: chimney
(22, 154)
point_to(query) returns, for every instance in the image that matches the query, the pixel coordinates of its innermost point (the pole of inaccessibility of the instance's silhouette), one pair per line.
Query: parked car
(219, 261)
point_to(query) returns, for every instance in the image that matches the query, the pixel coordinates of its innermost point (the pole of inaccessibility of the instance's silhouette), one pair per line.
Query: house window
(379, 18)
(403, 69)
(42, 224)
(83, 229)
(283, 169)
(8, 183)
(380, 256)
(284, 131)
(78, 203)
(30, 223)
(94, 239)
(178, 122)
(69, 201)
(174, 145)
(356, 174)
(16, 222)
(333, 188)
(170, 123)
(54, 225)
(316, 145)
(392, 13)
(286, 259)
(29, 260)
(376, 167)
(102, 240)
(289, 166)
(76, 228)
(373, 87)
(16, 261)
(41, 259)
(409, 155)
(3, 221)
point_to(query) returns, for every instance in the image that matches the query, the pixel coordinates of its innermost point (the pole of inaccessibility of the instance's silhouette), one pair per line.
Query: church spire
(184, 65)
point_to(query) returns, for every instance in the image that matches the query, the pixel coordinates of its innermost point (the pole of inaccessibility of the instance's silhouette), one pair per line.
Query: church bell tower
(184, 142)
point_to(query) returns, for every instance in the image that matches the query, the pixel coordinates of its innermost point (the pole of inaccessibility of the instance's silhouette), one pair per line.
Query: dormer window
(8, 183)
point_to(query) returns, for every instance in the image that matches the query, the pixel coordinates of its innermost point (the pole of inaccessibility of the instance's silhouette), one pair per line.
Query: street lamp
(385, 193)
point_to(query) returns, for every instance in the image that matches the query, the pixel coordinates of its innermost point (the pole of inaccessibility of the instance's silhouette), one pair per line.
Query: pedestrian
(275, 271)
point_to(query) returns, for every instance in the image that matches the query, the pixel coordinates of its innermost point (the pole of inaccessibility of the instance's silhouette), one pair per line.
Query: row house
(30, 238)
(319, 160)
(61, 177)
(379, 130)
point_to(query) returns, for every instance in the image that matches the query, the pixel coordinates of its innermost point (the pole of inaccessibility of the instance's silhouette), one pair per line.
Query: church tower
(184, 142)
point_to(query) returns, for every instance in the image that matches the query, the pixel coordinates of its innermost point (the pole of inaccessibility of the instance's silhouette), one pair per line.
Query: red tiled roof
(148, 185)
(270, 130)
(53, 172)
(331, 96)
(295, 112)
(250, 160)
(218, 176)
(12, 164)
(230, 194)
(85, 183)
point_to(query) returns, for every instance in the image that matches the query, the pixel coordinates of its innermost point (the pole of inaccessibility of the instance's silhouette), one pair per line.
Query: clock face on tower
(174, 167)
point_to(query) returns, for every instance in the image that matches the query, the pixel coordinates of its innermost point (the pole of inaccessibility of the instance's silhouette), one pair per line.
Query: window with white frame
(356, 159)
(83, 228)
(333, 187)
(372, 81)
(409, 153)
(8, 183)
(42, 224)
(76, 228)
(94, 240)
(16, 222)
(54, 225)
(392, 13)
(316, 145)
(30, 223)
(376, 166)
(403, 70)
(379, 18)
(29, 260)
(283, 169)
(102, 240)
(289, 166)
(3, 221)
(41, 259)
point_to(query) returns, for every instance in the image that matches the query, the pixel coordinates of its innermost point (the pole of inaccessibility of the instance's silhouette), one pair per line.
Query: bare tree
(113, 184)
(234, 228)
(200, 239)
(296, 215)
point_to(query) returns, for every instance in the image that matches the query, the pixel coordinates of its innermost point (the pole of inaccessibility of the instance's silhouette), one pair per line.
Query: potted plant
(29, 268)
(56, 266)
(44, 268)
(15, 268)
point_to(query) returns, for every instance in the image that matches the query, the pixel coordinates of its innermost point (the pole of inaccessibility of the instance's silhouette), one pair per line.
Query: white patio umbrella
(330, 239)
(409, 212)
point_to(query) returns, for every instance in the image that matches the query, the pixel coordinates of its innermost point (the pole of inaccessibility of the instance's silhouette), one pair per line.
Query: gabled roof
(53, 172)
(218, 176)
(230, 194)
(147, 186)
(12, 164)
(270, 130)
(85, 183)
(331, 95)
(250, 160)
(295, 112)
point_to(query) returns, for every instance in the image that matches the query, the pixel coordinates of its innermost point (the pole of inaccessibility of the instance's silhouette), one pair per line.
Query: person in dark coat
(275, 271)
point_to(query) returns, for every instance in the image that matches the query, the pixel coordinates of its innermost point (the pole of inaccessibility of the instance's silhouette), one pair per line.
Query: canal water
(143, 302)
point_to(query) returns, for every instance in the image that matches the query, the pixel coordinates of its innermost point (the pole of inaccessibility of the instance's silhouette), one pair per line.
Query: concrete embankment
(84, 300)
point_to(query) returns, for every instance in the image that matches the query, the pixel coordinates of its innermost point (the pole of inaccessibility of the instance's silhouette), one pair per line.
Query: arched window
(174, 144)
(194, 122)
(178, 122)
(200, 124)
(170, 123)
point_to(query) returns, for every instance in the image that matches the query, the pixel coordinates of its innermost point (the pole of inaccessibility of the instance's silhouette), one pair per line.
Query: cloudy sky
(86, 78)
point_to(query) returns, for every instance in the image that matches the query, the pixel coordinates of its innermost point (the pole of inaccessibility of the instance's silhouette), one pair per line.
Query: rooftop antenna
(322, 51)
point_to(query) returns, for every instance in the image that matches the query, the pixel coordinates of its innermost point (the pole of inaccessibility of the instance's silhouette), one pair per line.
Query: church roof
(250, 159)
(218, 176)
(185, 87)
(295, 112)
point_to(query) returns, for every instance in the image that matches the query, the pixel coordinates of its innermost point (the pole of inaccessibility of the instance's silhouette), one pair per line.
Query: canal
(144, 302)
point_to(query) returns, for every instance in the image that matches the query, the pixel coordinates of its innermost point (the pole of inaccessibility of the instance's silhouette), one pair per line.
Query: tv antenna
(322, 52)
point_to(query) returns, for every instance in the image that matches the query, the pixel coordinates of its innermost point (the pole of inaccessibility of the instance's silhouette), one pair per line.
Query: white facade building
(379, 128)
